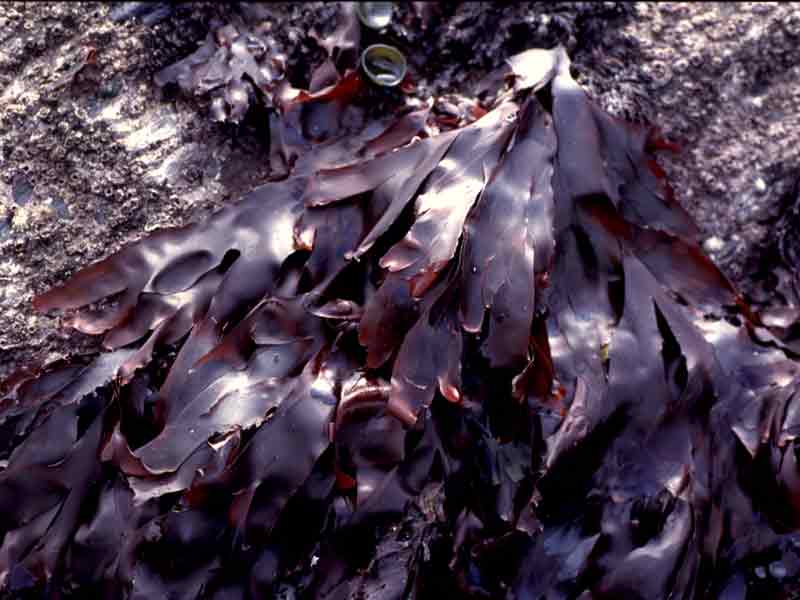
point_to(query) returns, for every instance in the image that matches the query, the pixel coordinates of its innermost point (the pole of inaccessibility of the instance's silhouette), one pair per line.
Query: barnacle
(375, 15)
(384, 65)
(490, 362)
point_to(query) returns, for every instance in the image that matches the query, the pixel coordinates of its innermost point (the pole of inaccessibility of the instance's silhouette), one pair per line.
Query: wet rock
(21, 190)
(149, 13)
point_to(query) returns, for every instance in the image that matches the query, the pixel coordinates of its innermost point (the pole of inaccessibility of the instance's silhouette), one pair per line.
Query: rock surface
(93, 155)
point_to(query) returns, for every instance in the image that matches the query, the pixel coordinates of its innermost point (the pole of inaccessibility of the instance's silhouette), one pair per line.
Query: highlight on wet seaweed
(489, 362)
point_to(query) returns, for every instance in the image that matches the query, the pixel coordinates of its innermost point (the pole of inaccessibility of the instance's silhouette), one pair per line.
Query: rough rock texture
(93, 155)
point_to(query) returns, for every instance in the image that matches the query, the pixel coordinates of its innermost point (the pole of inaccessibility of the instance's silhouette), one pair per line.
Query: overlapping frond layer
(492, 362)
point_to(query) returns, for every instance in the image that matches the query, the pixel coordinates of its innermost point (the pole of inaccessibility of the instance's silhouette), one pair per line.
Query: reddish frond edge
(489, 363)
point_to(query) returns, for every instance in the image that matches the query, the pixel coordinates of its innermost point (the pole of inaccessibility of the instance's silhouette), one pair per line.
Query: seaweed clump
(492, 362)
(244, 63)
